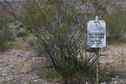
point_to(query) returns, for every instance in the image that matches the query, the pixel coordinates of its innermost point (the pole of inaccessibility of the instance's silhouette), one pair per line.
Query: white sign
(96, 34)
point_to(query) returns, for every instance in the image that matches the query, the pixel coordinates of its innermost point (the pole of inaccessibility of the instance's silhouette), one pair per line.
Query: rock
(24, 66)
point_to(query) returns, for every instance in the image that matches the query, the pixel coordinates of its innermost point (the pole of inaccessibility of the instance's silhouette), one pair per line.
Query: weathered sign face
(96, 34)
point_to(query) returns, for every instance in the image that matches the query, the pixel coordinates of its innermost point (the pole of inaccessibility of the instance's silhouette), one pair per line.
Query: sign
(96, 33)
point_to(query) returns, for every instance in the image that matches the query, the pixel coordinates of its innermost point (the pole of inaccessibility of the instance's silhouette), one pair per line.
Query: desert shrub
(6, 36)
(116, 27)
(59, 35)
(18, 29)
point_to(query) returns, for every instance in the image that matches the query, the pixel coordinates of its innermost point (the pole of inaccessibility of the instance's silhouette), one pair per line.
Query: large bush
(59, 34)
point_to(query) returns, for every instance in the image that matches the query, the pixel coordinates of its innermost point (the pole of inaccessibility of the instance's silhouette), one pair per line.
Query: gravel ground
(115, 58)
(18, 66)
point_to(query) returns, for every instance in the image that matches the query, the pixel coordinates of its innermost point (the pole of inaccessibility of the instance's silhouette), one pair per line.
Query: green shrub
(116, 27)
(6, 35)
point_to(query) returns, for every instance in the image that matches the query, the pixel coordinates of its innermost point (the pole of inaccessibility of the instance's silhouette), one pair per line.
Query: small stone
(24, 66)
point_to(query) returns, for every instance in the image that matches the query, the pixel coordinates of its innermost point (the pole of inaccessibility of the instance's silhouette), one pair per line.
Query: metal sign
(96, 33)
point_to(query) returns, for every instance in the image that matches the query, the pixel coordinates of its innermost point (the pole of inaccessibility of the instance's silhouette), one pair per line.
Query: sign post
(97, 66)
(96, 39)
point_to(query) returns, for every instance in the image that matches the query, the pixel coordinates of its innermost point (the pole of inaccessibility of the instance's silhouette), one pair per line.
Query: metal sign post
(96, 39)
(97, 65)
